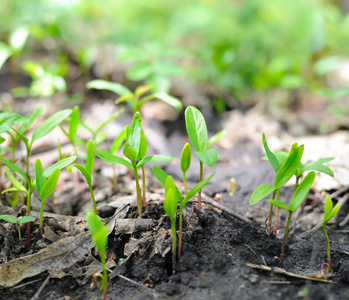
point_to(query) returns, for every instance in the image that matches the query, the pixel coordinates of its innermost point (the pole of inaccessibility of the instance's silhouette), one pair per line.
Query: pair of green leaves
(134, 100)
(284, 172)
(14, 220)
(173, 189)
(330, 212)
(197, 132)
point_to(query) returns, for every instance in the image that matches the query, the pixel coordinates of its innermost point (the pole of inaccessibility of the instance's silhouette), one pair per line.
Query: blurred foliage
(231, 46)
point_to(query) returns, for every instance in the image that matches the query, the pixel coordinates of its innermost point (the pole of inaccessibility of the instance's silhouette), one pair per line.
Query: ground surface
(216, 246)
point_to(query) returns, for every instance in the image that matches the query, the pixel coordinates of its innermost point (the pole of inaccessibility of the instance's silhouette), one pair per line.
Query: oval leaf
(261, 192)
(186, 157)
(40, 178)
(196, 128)
(50, 185)
(209, 157)
(114, 87)
(169, 100)
(26, 219)
(9, 218)
(271, 156)
(170, 203)
(278, 204)
(154, 158)
(301, 192)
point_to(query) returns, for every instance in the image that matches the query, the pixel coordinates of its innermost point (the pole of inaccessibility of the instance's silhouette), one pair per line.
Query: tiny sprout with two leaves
(296, 200)
(14, 220)
(162, 177)
(330, 212)
(87, 171)
(197, 132)
(135, 150)
(134, 100)
(99, 234)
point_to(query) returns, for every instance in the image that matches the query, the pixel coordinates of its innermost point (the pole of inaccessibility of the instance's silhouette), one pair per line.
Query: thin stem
(139, 193)
(19, 231)
(327, 248)
(42, 215)
(28, 210)
(271, 214)
(200, 179)
(143, 182)
(180, 231)
(285, 235)
(105, 277)
(93, 198)
(276, 225)
(185, 183)
(174, 244)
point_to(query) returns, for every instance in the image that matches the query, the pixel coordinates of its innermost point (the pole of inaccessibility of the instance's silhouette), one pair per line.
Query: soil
(218, 249)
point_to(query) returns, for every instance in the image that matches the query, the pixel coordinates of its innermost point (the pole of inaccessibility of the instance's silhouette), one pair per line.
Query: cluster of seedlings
(134, 149)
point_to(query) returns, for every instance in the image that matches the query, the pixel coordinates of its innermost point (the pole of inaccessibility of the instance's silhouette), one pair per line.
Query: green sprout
(99, 234)
(330, 212)
(170, 207)
(14, 220)
(18, 186)
(135, 150)
(74, 123)
(197, 132)
(87, 171)
(162, 177)
(134, 100)
(283, 174)
(296, 200)
(185, 163)
(44, 186)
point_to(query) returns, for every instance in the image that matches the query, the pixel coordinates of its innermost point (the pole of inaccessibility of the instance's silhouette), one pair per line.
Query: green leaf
(1, 141)
(83, 172)
(261, 192)
(98, 231)
(8, 119)
(26, 219)
(301, 192)
(50, 185)
(134, 138)
(278, 204)
(118, 142)
(90, 157)
(15, 182)
(113, 116)
(9, 218)
(209, 157)
(130, 153)
(143, 89)
(290, 167)
(196, 189)
(196, 128)
(271, 156)
(162, 176)
(169, 100)
(112, 159)
(330, 212)
(59, 165)
(154, 158)
(186, 157)
(129, 97)
(114, 87)
(143, 147)
(39, 176)
(218, 136)
(29, 121)
(49, 124)
(318, 166)
(74, 123)
(15, 168)
(170, 203)
(18, 38)
(5, 53)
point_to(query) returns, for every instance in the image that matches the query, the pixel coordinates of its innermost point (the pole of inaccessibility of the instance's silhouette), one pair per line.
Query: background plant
(14, 220)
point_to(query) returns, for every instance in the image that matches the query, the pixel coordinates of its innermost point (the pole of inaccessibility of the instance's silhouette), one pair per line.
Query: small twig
(281, 271)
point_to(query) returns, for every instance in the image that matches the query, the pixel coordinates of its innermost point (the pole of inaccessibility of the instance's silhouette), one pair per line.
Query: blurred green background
(234, 52)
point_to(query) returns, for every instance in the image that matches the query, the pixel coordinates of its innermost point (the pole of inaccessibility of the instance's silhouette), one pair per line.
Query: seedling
(18, 186)
(282, 176)
(14, 220)
(197, 132)
(296, 200)
(134, 100)
(162, 177)
(185, 163)
(170, 207)
(74, 123)
(135, 150)
(45, 187)
(87, 171)
(330, 212)
(99, 234)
